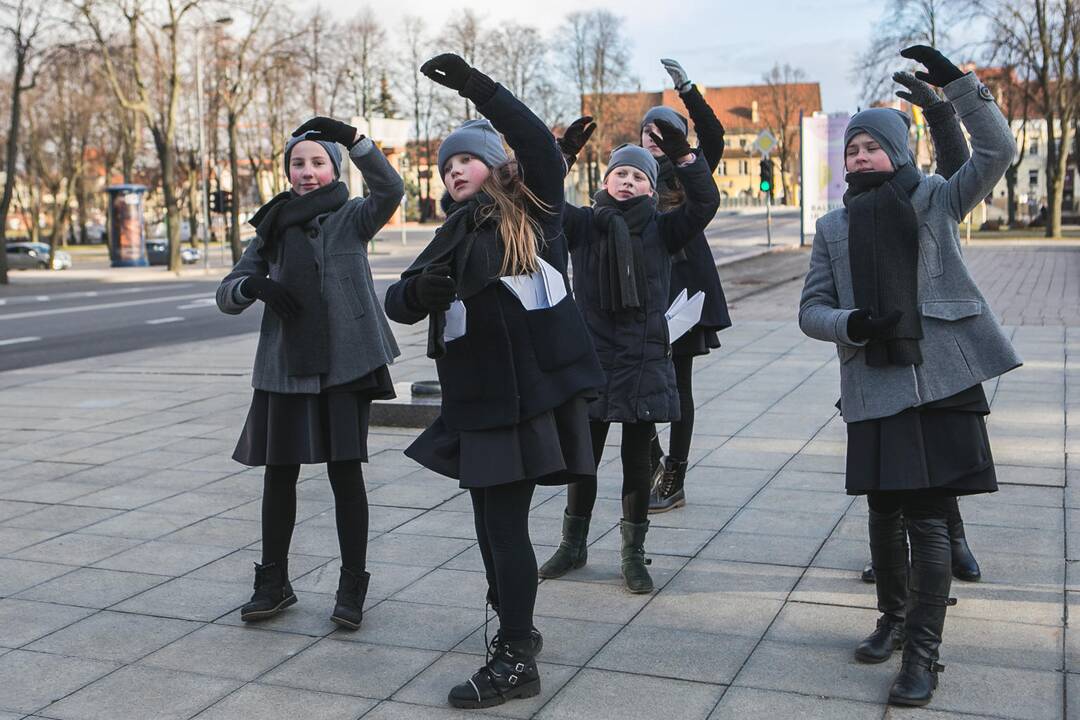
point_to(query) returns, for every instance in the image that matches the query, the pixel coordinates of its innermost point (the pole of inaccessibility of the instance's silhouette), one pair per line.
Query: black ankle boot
(634, 571)
(351, 591)
(273, 593)
(931, 578)
(510, 673)
(889, 553)
(669, 494)
(572, 552)
(964, 565)
(534, 634)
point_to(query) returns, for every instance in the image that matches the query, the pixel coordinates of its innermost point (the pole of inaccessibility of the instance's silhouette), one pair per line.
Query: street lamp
(203, 163)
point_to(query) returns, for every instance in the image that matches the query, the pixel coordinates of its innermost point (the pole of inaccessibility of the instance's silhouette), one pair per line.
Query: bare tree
(467, 40)
(155, 97)
(26, 24)
(421, 95)
(904, 23)
(1043, 38)
(517, 56)
(782, 105)
(593, 55)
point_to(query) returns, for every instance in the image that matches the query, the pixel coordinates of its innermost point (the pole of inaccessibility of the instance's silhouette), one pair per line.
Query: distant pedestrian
(951, 152)
(513, 355)
(916, 339)
(323, 351)
(622, 251)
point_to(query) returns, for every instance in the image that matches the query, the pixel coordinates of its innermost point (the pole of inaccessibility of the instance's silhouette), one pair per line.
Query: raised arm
(682, 224)
(384, 183)
(709, 131)
(950, 146)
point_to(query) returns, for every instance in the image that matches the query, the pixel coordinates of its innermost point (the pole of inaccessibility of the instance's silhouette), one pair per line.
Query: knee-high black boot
(931, 578)
(889, 553)
(964, 565)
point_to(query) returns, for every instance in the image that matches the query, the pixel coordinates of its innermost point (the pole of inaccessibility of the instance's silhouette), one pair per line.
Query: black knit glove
(455, 73)
(576, 135)
(673, 142)
(329, 129)
(272, 293)
(860, 326)
(941, 70)
(432, 290)
(678, 75)
(918, 92)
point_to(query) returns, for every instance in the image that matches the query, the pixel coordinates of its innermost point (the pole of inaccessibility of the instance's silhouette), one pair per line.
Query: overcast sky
(720, 42)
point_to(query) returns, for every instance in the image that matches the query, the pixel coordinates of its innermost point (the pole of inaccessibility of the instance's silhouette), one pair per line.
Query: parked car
(157, 253)
(35, 255)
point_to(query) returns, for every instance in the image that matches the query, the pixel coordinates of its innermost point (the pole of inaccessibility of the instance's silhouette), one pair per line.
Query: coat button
(986, 94)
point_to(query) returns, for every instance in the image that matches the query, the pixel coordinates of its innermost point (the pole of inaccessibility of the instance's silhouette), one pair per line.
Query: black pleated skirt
(303, 429)
(552, 448)
(696, 341)
(941, 445)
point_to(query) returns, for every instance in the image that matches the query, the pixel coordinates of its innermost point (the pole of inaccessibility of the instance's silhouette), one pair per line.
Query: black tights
(501, 514)
(637, 472)
(682, 430)
(915, 504)
(350, 510)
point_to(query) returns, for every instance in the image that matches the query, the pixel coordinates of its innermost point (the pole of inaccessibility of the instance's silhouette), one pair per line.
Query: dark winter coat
(694, 268)
(633, 346)
(511, 364)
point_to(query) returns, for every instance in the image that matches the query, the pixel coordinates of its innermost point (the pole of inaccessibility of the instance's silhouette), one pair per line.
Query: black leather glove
(274, 294)
(941, 70)
(329, 129)
(448, 69)
(860, 326)
(673, 142)
(432, 290)
(576, 135)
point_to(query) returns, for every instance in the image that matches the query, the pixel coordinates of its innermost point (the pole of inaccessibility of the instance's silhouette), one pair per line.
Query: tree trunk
(234, 171)
(167, 158)
(1010, 195)
(10, 158)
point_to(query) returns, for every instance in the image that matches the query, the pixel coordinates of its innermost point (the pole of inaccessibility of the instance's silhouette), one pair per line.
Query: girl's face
(625, 182)
(864, 154)
(647, 142)
(309, 167)
(463, 176)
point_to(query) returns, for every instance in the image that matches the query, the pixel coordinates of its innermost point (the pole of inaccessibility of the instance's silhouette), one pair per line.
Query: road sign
(764, 142)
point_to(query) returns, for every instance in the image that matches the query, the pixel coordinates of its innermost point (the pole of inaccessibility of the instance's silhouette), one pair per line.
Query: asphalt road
(48, 317)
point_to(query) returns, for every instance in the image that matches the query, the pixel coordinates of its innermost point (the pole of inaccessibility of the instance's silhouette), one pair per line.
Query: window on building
(723, 167)
(1033, 177)
(1034, 149)
(744, 167)
(742, 142)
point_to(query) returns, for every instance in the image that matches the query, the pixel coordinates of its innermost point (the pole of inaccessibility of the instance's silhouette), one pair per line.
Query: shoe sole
(674, 505)
(527, 690)
(552, 576)
(347, 624)
(264, 614)
(968, 578)
(910, 702)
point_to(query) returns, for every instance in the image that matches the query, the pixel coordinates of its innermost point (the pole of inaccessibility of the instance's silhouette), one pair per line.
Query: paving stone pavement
(127, 536)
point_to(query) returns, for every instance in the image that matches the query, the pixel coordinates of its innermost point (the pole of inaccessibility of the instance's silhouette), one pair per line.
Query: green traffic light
(765, 186)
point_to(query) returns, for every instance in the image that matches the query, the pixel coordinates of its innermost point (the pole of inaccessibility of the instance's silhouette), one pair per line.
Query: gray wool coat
(360, 339)
(963, 343)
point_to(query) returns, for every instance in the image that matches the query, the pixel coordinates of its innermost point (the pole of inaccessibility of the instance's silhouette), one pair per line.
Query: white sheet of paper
(455, 321)
(684, 314)
(542, 289)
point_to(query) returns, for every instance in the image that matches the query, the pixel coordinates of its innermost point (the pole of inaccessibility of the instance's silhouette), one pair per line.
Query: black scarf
(471, 274)
(280, 224)
(621, 269)
(883, 249)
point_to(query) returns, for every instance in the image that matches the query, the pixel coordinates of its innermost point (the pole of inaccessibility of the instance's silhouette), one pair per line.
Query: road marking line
(162, 321)
(27, 299)
(205, 302)
(16, 341)
(102, 306)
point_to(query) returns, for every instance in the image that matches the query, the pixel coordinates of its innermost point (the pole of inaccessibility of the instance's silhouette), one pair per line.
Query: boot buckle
(936, 667)
(520, 667)
(949, 602)
(513, 679)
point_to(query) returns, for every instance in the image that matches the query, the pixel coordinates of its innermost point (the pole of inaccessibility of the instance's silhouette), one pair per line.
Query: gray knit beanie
(331, 149)
(661, 112)
(889, 127)
(477, 138)
(636, 157)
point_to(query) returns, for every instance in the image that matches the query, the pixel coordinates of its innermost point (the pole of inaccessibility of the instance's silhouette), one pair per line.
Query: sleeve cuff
(841, 329)
(967, 94)
(361, 148)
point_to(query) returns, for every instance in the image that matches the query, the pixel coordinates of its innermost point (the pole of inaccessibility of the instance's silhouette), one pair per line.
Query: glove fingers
(925, 77)
(305, 127)
(587, 132)
(905, 95)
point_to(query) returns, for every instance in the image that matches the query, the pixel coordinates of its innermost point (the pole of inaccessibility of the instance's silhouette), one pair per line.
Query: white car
(35, 255)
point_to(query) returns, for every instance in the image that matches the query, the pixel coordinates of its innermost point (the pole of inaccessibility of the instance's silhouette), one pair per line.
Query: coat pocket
(930, 250)
(352, 276)
(951, 310)
(559, 336)
(352, 296)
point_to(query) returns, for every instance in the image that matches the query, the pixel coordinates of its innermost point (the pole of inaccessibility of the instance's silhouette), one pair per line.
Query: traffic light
(214, 199)
(766, 176)
(221, 201)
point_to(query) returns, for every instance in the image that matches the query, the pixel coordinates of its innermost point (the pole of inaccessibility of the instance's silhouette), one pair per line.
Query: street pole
(204, 201)
(768, 217)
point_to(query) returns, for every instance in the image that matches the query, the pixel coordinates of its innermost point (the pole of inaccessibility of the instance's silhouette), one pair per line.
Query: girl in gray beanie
(916, 339)
(516, 384)
(622, 249)
(323, 353)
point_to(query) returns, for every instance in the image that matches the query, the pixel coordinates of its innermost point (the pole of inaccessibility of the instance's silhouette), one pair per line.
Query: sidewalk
(127, 537)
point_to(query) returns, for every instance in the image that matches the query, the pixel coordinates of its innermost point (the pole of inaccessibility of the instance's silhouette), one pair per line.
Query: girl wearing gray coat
(916, 339)
(323, 351)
